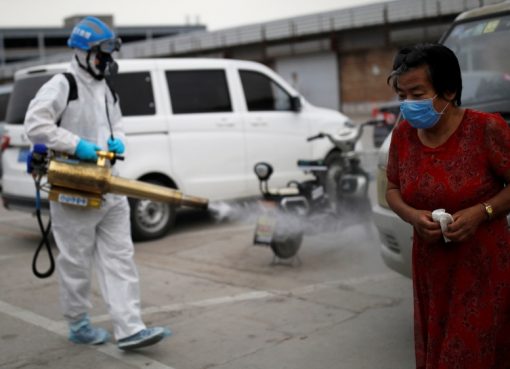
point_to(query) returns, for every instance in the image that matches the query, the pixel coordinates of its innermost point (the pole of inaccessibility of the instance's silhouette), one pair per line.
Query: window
(481, 46)
(4, 100)
(263, 94)
(135, 93)
(198, 91)
(134, 89)
(23, 92)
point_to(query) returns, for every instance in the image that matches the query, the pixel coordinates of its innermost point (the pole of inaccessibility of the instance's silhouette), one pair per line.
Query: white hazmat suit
(87, 237)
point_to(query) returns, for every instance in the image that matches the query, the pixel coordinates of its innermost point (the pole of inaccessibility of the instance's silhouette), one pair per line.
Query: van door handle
(225, 125)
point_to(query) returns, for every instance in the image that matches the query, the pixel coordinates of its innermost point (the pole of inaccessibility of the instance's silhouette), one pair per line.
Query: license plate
(23, 155)
(264, 230)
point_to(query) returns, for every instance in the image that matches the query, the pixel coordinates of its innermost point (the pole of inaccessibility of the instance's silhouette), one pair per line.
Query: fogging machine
(83, 184)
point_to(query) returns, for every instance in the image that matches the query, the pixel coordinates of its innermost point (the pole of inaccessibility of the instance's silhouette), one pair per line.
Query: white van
(479, 38)
(198, 125)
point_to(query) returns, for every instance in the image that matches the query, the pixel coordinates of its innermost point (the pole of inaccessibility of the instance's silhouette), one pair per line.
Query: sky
(215, 14)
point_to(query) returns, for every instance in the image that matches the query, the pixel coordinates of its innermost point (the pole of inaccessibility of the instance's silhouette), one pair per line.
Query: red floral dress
(461, 289)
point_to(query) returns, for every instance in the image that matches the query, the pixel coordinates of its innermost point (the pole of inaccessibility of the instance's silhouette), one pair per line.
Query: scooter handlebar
(338, 142)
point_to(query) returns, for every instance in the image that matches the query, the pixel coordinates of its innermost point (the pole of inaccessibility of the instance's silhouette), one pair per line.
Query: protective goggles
(109, 46)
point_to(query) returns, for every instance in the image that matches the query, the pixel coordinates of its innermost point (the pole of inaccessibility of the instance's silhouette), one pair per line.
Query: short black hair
(441, 62)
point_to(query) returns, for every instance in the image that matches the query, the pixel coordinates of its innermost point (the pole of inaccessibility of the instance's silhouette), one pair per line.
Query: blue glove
(86, 150)
(116, 145)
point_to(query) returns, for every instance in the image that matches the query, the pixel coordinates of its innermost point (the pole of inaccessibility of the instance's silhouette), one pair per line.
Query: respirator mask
(105, 65)
(98, 61)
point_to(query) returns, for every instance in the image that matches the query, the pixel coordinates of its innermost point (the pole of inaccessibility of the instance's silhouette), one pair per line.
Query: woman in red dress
(445, 157)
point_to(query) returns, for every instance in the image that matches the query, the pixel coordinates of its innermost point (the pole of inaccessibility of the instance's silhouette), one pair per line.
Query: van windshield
(24, 90)
(484, 56)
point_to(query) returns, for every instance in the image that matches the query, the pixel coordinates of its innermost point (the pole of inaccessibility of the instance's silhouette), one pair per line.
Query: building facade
(338, 59)
(21, 44)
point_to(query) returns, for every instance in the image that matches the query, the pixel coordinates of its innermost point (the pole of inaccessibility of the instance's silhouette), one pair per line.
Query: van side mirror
(295, 103)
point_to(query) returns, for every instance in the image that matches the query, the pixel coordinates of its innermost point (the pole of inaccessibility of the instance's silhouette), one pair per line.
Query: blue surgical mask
(421, 113)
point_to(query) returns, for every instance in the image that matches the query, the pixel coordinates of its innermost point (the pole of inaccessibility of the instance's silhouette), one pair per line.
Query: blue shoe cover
(146, 337)
(82, 332)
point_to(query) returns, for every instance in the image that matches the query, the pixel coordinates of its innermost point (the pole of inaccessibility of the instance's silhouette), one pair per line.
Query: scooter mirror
(263, 171)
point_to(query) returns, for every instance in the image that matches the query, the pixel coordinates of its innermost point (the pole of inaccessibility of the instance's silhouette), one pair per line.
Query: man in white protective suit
(86, 237)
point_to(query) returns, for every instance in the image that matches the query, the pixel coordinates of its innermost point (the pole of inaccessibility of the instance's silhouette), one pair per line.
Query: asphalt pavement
(228, 305)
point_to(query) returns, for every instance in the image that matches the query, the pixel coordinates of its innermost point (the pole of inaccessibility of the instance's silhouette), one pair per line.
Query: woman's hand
(465, 223)
(427, 229)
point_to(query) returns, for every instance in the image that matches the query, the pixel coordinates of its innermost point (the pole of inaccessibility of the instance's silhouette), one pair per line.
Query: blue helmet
(91, 32)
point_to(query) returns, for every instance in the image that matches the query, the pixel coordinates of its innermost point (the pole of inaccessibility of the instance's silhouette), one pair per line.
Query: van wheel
(151, 220)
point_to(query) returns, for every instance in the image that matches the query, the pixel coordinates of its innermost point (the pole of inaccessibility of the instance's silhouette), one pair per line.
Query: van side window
(198, 91)
(23, 92)
(4, 100)
(263, 94)
(136, 96)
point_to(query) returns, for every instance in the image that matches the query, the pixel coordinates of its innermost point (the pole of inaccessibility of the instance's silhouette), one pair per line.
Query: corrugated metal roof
(324, 22)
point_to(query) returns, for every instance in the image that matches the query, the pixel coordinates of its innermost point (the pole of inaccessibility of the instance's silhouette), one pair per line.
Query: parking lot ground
(226, 304)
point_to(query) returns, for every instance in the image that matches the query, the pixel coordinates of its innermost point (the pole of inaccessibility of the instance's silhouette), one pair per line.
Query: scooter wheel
(287, 246)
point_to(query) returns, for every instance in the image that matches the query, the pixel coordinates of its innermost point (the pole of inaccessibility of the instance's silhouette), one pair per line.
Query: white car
(5, 93)
(198, 125)
(396, 235)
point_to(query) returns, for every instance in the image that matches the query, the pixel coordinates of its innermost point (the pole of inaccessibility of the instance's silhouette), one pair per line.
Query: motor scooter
(306, 207)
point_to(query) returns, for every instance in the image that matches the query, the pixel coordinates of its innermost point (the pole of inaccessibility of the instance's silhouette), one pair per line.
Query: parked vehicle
(5, 93)
(479, 38)
(304, 207)
(198, 125)
(383, 118)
